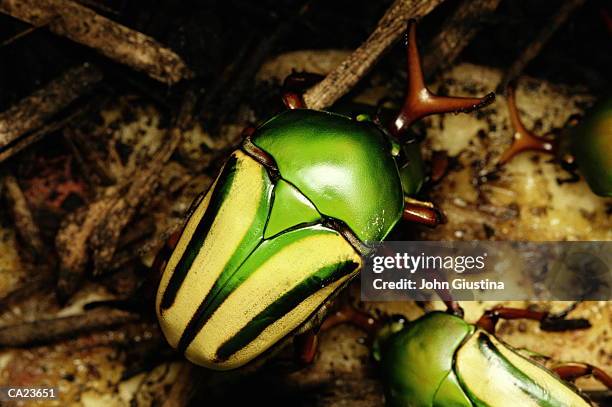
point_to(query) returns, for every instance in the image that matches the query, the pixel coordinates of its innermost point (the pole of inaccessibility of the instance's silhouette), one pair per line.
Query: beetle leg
(305, 347)
(440, 163)
(293, 87)
(353, 316)
(548, 321)
(524, 139)
(572, 371)
(453, 308)
(248, 131)
(420, 101)
(422, 212)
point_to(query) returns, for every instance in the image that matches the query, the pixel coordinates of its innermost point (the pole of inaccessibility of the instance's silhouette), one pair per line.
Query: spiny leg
(548, 322)
(420, 101)
(573, 370)
(524, 140)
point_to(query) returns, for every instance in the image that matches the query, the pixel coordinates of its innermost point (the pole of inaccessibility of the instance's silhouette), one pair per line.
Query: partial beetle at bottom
(440, 360)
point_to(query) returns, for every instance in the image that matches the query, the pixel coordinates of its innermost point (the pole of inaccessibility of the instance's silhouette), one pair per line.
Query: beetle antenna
(524, 140)
(420, 101)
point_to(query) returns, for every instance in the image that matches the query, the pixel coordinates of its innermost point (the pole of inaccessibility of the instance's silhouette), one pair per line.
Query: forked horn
(420, 101)
(524, 140)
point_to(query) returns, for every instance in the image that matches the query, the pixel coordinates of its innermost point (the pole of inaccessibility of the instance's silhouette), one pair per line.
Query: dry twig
(24, 221)
(19, 124)
(545, 34)
(45, 331)
(115, 41)
(88, 159)
(390, 27)
(456, 33)
(36, 283)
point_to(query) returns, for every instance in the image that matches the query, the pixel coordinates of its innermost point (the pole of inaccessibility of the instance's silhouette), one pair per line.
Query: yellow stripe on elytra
(488, 381)
(542, 377)
(492, 383)
(279, 274)
(181, 246)
(226, 232)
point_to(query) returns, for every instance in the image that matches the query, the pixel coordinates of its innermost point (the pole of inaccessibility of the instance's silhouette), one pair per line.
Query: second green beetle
(441, 360)
(586, 146)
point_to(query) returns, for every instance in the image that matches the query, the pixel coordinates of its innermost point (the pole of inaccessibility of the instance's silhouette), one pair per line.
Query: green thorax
(592, 146)
(417, 362)
(343, 167)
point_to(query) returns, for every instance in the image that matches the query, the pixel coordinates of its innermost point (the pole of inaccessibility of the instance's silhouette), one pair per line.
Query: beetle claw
(420, 101)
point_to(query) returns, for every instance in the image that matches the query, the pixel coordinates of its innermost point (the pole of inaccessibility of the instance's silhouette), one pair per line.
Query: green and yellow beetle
(284, 226)
(586, 146)
(441, 360)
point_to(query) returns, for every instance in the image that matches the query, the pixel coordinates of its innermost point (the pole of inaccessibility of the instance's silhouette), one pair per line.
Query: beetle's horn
(419, 101)
(524, 140)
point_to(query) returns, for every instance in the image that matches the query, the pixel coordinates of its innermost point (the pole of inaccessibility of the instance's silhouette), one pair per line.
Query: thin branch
(37, 281)
(233, 90)
(25, 225)
(115, 41)
(20, 35)
(456, 33)
(18, 124)
(87, 157)
(549, 28)
(390, 27)
(50, 330)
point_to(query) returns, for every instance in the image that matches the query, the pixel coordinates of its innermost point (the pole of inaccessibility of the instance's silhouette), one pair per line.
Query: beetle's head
(394, 323)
